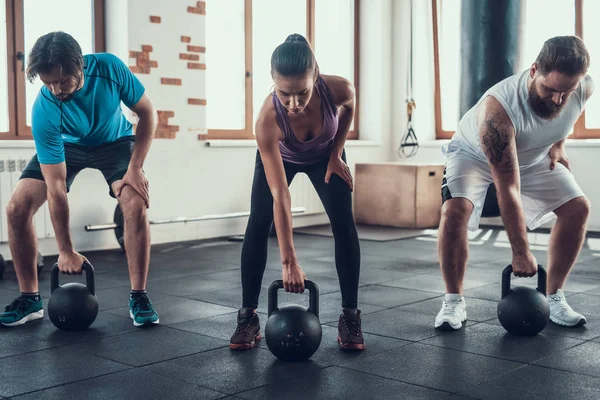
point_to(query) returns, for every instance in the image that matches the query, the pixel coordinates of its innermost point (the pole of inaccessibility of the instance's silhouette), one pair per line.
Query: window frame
(579, 129)
(15, 34)
(248, 132)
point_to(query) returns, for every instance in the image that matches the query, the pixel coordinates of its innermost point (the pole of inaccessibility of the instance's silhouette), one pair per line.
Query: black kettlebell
(293, 333)
(73, 306)
(523, 311)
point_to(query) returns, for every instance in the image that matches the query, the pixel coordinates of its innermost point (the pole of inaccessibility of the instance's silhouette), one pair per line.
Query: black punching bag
(491, 32)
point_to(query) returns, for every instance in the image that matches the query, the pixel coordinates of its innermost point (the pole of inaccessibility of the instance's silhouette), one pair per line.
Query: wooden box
(398, 194)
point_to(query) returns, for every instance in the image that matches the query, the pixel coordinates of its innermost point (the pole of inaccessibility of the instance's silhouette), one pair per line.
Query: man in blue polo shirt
(78, 123)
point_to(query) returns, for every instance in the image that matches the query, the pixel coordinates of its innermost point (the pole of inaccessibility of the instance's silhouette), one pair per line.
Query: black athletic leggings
(337, 201)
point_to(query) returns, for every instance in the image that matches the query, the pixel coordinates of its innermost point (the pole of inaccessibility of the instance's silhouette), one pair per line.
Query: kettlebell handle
(541, 274)
(313, 299)
(89, 277)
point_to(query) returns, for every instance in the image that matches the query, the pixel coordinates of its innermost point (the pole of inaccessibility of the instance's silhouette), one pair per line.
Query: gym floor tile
(14, 341)
(494, 341)
(582, 359)
(477, 310)
(149, 345)
(105, 325)
(399, 324)
(430, 283)
(532, 382)
(588, 331)
(341, 383)
(47, 368)
(433, 367)
(178, 309)
(130, 384)
(387, 296)
(231, 372)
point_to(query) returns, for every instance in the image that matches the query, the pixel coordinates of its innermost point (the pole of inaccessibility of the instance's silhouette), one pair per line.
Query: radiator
(10, 171)
(304, 195)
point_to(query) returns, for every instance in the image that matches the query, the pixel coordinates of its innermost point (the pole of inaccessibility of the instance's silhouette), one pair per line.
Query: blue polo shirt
(92, 116)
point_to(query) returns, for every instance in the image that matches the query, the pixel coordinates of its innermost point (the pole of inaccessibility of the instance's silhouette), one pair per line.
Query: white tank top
(534, 135)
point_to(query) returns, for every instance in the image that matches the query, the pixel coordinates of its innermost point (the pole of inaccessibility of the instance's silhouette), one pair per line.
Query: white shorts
(542, 190)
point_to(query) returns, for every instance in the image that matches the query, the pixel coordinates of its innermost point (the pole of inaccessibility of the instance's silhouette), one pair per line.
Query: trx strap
(409, 144)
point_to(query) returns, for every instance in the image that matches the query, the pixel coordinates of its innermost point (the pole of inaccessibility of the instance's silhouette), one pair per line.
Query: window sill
(17, 144)
(252, 143)
(592, 143)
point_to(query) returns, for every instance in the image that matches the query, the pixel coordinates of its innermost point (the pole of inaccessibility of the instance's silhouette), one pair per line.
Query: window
(560, 17)
(238, 78)
(22, 23)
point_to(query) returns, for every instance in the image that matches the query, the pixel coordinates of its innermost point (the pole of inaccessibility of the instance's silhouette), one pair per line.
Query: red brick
(186, 39)
(197, 102)
(201, 5)
(192, 65)
(133, 54)
(135, 69)
(154, 19)
(154, 64)
(143, 63)
(170, 81)
(196, 49)
(146, 47)
(185, 56)
(168, 114)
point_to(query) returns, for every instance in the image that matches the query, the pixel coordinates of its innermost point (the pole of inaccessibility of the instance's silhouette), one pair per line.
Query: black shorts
(112, 159)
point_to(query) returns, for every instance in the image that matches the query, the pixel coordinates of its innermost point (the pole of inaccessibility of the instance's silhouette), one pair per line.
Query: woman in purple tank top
(302, 127)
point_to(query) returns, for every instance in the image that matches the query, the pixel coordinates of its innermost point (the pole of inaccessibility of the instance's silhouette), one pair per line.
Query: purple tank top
(316, 149)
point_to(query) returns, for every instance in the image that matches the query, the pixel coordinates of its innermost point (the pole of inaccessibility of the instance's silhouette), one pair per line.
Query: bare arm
(267, 137)
(589, 86)
(144, 132)
(498, 142)
(55, 176)
(343, 96)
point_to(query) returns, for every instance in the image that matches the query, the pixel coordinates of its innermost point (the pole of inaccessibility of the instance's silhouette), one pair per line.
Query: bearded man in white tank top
(515, 137)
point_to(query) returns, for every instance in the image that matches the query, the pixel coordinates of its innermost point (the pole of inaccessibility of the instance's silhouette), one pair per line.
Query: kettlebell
(293, 333)
(73, 306)
(522, 310)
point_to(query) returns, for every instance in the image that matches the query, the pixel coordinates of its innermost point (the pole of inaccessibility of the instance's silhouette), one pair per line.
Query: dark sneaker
(21, 310)
(141, 311)
(247, 332)
(349, 332)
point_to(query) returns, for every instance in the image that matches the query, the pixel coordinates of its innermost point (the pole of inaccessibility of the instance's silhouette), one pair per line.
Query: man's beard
(544, 109)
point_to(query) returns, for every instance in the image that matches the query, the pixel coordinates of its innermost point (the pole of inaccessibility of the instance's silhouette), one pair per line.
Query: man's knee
(25, 201)
(457, 211)
(132, 204)
(578, 208)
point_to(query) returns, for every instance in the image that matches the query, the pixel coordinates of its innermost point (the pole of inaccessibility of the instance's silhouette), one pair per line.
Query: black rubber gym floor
(196, 289)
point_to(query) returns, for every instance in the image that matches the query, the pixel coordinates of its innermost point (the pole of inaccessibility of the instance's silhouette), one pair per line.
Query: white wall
(188, 178)
(581, 153)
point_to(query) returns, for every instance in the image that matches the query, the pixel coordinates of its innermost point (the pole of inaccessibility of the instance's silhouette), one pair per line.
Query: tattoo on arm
(496, 143)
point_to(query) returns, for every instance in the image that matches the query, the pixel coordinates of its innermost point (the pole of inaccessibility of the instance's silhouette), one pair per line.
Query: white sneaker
(561, 313)
(452, 314)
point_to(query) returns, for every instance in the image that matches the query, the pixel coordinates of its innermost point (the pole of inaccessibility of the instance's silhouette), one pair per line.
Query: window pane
(272, 22)
(225, 65)
(591, 36)
(3, 71)
(449, 56)
(43, 16)
(557, 19)
(334, 38)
